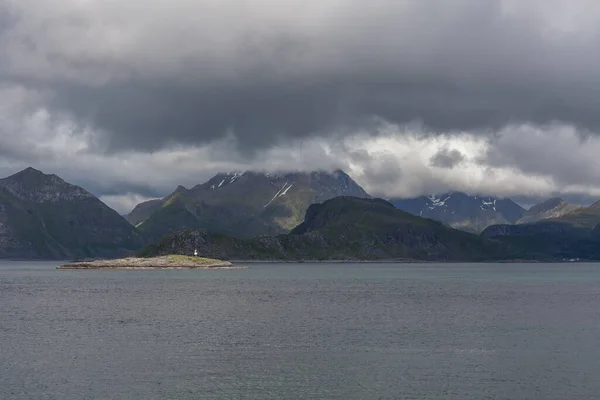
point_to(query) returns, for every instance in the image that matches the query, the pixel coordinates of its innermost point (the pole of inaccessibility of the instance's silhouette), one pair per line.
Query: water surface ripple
(302, 331)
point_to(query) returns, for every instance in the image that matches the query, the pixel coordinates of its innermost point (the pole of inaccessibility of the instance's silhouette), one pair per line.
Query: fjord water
(300, 331)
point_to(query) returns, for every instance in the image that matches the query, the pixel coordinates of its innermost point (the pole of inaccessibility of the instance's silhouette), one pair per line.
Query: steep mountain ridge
(243, 204)
(574, 235)
(584, 217)
(551, 208)
(581, 219)
(463, 211)
(35, 186)
(42, 216)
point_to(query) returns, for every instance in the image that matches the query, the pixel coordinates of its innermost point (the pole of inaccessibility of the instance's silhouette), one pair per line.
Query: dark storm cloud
(148, 117)
(98, 91)
(447, 158)
(159, 77)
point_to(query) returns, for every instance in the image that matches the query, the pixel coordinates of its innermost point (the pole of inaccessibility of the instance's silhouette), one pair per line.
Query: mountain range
(251, 203)
(242, 204)
(342, 228)
(580, 221)
(294, 216)
(346, 228)
(473, 213)
(42, 216)
(463, 211)
(574, 235)
(551, 208)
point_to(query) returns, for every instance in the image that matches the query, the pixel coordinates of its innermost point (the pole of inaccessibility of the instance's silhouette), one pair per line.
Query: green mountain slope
(242, 204)
(342, 228)
(42, 216)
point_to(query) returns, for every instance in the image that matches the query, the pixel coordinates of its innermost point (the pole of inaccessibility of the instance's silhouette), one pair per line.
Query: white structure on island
(196, 252)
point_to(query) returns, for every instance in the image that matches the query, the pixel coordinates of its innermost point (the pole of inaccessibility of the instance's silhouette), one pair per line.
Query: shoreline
(398, 262)
(150, 267)
(172, 261)
(235, 262)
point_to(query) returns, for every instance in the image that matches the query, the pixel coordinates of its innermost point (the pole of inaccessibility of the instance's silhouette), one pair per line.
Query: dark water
(367, 331)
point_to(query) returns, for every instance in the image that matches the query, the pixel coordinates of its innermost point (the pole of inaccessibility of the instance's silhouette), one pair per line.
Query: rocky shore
(162, 262)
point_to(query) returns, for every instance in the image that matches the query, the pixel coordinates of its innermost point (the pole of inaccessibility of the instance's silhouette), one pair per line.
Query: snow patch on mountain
(279, 192)
(462, 211)
(487, 205)
(436, 202)
(225, 179)
(286, 189)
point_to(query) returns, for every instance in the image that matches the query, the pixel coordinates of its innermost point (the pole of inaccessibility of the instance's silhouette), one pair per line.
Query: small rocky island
(172, 261)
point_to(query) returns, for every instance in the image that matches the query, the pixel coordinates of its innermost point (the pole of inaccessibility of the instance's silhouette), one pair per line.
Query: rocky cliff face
(243, 204)
(42, 216)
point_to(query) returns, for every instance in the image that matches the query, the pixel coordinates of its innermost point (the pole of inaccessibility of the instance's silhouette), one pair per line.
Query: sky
(130, 98)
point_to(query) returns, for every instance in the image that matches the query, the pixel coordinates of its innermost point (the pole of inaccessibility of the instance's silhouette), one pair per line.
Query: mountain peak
(31, 170)
(34, 185)
(43, 216)
(547, 204)
(31, 177)
(223, 179)
(180, 189)
(246, 203)
(29, 173)
(554, 207)
(595, 205)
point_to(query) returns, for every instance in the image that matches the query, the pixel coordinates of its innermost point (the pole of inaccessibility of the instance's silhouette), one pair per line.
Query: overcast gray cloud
(447, 158)
(130, 97)
(394, 162)
(150, 73)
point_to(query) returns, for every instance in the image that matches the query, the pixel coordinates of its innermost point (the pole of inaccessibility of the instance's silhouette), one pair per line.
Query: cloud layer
(150, 73)
(131, 97)
(523, 161)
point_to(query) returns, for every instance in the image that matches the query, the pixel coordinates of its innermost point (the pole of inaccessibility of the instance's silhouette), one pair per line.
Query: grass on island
(178, 258)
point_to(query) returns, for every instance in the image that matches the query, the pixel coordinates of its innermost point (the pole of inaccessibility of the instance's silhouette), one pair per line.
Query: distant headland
(171, 261)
